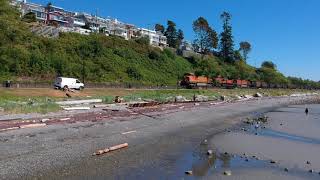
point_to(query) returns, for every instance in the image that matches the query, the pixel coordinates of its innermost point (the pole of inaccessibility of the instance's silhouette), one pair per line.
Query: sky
(283, 31)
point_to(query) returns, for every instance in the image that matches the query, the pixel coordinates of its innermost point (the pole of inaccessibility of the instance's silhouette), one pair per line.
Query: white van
(71, 83)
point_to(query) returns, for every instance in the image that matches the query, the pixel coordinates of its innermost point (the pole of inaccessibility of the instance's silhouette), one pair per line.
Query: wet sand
(161, 147)
(291, 138)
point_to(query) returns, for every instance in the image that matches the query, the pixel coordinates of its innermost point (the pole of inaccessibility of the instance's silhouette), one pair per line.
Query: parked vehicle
(68, 83)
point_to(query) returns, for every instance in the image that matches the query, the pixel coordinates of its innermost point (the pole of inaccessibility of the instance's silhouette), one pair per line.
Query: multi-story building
(84, 23)
(156, 38)
(38, 10)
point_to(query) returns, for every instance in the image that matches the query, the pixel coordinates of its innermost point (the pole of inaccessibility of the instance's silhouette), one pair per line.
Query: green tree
(159, 28)
(171, 34)
(226, 38)
(245, 48)
(29, 17)
(180, 37)
(206, 37)
(268, 64)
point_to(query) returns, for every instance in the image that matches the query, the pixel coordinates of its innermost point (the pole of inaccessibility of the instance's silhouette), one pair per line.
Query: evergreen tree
(180, 37)
(171, 34)
(226, 39)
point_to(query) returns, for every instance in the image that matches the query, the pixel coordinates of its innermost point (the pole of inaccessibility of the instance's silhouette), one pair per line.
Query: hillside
(26, 57)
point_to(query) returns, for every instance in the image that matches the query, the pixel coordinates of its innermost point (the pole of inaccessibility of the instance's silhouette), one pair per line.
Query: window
(77, 81)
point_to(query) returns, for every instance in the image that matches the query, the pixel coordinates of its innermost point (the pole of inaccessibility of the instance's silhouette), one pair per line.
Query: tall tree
(171, 34)
(180, 37)
(245, 48)
(206, 37)
(159, 28)
(226, 38)
(269, 64)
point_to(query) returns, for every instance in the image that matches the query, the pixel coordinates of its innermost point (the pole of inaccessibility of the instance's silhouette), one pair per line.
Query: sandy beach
(291, 138)
(165, 146)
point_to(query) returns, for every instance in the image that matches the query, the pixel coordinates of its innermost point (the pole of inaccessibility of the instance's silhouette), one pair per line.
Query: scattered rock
(257, 95)
(286, 169)
(223, 98)
(1, 109)
(247, 160)
(311, 171)
(227, 173)
(256, 134)
(189, 172)
(273, 162)
(210, 152)
(201, 98)
(248, 96)
(226, 153)
(308, 162)
(238, 97)
(197, 104)
(180, 99)
(204, 142)
(281, 124)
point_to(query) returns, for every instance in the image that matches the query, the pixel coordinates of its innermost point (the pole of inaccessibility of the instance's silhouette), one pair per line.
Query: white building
(156, 38)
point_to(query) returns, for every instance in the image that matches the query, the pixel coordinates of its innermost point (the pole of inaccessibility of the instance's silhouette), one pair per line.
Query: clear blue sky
(284, 31)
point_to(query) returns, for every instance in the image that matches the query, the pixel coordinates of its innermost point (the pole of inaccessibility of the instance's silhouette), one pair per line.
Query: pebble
(311, 171)
(308, 162)
(247, 160)
(227, 173)
(189, 172)
(286, 169)
(210, 152)
(273, 162)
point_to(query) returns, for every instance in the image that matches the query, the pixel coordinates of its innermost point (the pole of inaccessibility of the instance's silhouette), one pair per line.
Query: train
(191, 81)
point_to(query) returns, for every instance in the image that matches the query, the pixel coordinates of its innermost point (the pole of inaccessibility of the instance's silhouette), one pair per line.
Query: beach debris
(113, 148)
(32, 125)
(44, 120)
(227, 173)
(257, 95)
(65, 119)
(129, 132)
(8, 129)
(76, 108)
(88, 101)
(189, 172)
(209, 152)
